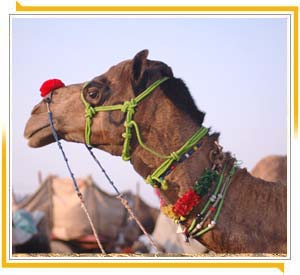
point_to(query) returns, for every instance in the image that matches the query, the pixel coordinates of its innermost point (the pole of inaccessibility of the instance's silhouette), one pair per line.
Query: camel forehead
(67, 94)
(69, 90)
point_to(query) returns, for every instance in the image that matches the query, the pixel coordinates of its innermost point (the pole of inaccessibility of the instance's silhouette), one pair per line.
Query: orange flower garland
(167, 210)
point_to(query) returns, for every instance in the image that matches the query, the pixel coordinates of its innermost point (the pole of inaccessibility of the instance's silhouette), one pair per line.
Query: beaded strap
(186, 203)
(215, 202)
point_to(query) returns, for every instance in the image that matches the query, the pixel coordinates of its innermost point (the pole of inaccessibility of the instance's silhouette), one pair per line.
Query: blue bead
(191, 151)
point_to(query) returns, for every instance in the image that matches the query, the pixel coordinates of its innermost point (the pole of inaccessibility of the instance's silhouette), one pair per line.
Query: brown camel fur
(253, 218)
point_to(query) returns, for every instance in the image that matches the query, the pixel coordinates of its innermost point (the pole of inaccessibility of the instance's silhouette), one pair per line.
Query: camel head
(120, 83)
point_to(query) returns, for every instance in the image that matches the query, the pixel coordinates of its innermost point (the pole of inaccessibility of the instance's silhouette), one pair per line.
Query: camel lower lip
(38, 132)
(30, 135)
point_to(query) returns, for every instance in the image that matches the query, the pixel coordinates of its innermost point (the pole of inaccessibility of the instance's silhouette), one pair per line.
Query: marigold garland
(167, 210)
(189, 199)
(185, 204)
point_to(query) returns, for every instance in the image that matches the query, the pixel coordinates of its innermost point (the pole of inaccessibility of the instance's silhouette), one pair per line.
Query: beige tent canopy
(66, 220)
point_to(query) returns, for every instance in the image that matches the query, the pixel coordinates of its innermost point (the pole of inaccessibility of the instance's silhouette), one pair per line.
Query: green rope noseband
(128, 107)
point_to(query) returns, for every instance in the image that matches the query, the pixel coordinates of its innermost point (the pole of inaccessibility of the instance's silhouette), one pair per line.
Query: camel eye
(93, 94)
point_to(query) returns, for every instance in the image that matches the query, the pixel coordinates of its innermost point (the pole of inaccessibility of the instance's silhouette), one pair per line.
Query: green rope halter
(128, 107)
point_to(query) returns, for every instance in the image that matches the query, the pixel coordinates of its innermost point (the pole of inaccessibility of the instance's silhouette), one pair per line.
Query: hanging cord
(102, 169)
(122, 199)
(79, 194)
(133, 216)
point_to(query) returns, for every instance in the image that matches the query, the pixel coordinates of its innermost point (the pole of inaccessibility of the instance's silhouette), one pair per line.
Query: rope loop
(125, 156)
(128, 124)
(175, 156)
(89, 112)
(133, 102)
(128, 106)
(125, 106)
(127, 135)
(150, 180)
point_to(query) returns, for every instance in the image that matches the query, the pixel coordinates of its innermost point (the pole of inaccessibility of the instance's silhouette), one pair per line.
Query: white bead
(187, 155)
(198, 226)
(213, 223)
(212, 198)
(209, 225)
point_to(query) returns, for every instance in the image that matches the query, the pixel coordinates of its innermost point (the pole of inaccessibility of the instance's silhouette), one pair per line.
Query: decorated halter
(156, 179)
(127, 107)
(187, 202)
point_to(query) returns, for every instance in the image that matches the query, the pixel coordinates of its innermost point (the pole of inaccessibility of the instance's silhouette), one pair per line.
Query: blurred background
(235, 68)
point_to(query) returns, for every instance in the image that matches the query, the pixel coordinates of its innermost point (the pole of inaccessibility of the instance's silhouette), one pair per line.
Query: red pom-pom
(49, 85)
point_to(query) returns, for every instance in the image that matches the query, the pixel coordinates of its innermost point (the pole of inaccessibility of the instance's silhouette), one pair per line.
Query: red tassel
(49, 85)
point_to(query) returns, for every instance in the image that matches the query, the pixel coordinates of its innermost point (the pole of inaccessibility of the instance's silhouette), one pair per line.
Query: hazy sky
(236, 70)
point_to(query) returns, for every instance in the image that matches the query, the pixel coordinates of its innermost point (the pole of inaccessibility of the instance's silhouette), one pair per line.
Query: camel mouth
(38, 133)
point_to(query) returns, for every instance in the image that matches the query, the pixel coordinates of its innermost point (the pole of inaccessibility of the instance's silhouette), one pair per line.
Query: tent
(65, 220)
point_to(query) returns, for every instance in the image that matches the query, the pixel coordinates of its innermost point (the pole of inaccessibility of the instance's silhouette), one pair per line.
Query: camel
(271, 168)
(253, 215)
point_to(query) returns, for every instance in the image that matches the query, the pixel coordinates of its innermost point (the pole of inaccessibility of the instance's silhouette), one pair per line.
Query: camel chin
(40, 139)
(39, 136)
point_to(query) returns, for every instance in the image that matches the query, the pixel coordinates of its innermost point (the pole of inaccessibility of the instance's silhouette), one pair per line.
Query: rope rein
(79, 194)
(123, 201)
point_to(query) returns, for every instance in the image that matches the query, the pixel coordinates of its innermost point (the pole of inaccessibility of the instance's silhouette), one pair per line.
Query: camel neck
(163, 128)
(166, 128)
(246, 223)
(246, 197)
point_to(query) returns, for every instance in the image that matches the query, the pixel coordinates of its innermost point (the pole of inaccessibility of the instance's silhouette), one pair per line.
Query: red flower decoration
(49, 85)
(185, 204)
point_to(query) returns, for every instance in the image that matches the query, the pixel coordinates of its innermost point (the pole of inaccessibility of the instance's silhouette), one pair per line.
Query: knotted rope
(174, 156)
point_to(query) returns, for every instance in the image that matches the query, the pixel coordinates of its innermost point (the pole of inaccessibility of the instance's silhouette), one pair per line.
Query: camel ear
(138, 62)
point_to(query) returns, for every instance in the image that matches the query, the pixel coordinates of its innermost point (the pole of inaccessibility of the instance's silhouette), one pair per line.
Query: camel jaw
(38, 132)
